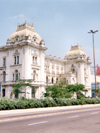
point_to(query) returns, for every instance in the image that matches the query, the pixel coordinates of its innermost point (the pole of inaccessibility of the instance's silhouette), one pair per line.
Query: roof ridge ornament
(25, 26)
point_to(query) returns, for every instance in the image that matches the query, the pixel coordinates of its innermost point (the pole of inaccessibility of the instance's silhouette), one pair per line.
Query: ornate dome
(24, 32)
(76, 52)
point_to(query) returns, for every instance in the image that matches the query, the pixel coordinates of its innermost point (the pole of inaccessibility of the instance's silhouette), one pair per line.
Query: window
(62, 70)
(52, 81)
(34, 38)
(56, 80)
(4, 61)
(17, 39)
(46, 80)
(13, 77)
(16, 60)
(16, 75)
(34, 75)
(33, 93)
(4, 76)
(3, 93)
(34, 59)
(73, 70)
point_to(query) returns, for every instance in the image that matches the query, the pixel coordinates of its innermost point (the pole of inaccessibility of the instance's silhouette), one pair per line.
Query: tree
(19, 84)
(58, 90)
(55, 92)
(78, 88)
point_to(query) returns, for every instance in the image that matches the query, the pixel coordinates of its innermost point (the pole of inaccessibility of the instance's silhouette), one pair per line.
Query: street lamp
(93, 32)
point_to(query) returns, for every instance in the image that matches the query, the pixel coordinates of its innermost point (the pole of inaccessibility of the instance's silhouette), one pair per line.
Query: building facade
(23, 57)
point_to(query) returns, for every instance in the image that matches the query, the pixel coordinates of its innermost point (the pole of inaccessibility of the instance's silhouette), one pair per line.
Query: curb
(20, 111)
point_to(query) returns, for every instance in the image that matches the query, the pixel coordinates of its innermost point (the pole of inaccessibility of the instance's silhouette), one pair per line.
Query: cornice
(51, 58)
(78, 61)
(20, 44)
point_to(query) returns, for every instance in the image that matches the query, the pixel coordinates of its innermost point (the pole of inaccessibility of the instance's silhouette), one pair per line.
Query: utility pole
(93, 32)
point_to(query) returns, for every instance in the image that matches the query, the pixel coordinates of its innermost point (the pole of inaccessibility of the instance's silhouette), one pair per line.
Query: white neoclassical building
(23, 57)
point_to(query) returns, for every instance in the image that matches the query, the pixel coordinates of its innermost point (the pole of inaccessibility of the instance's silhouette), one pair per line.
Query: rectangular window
(19, 76)
(4, 76)
(4, 61)
(35, 59)
(16, 76)
(13, 77)
(3, 92)
(17, 59)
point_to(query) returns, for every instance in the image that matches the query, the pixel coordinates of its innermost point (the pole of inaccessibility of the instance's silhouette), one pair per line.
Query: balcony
(16, 65)
(3, 68)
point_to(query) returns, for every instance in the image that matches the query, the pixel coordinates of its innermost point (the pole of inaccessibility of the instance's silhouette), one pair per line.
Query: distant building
(23, 57)
(93, 93)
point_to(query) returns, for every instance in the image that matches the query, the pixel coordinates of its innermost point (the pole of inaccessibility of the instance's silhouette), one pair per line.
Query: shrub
(7, 104)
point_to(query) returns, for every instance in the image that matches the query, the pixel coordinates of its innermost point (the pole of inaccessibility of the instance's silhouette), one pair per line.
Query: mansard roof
(76, 52)
(24, 31)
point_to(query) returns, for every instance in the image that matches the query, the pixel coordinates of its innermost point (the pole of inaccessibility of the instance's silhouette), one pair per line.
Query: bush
(8, 104)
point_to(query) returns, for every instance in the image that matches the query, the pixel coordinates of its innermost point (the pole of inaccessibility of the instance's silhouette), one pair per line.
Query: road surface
(81, 120)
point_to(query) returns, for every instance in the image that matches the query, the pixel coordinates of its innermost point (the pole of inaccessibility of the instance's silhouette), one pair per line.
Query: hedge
(8, 104)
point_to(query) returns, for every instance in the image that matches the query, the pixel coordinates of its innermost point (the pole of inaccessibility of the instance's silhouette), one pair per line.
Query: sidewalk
(21, 111)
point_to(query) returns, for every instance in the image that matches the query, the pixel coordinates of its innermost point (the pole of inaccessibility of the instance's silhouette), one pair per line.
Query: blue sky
(61, 23)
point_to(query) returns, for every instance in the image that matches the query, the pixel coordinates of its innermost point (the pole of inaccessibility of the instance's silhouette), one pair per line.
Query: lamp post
(93, 32)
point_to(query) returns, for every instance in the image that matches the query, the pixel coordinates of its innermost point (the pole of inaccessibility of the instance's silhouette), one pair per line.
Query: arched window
(56, 80)
(16, 75)
(4, 76)
(52, 81)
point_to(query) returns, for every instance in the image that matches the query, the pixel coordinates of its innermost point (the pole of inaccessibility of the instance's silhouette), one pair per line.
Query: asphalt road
(85, 120)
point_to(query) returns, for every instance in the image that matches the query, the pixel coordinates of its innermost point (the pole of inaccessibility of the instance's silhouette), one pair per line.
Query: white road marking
(94, 113)
(37, 123)
(74, 116)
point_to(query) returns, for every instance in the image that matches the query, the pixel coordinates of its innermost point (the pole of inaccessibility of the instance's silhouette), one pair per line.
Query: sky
(60, 23)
